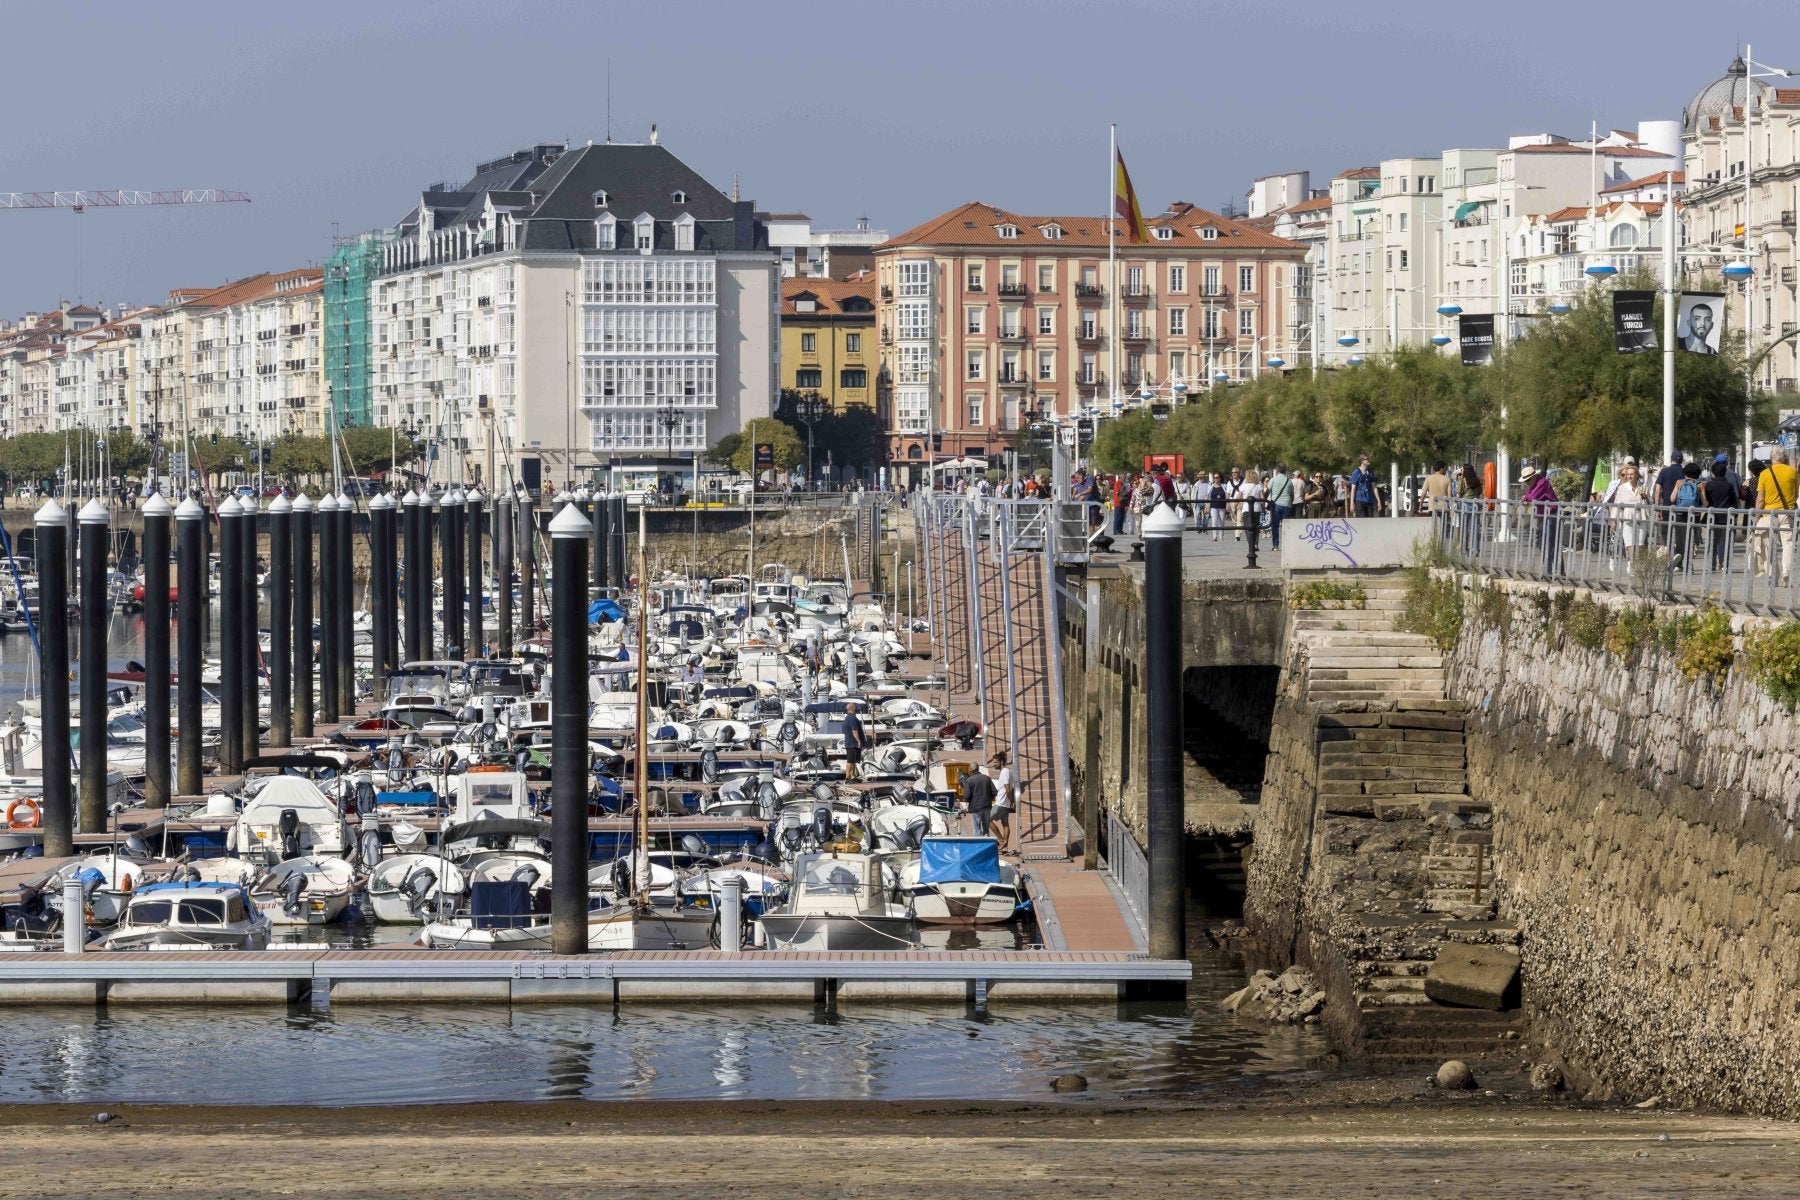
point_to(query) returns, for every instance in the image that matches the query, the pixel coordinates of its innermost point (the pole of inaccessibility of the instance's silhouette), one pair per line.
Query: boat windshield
(203, 912)
(830, 878)
(124, 723)
(148, 912)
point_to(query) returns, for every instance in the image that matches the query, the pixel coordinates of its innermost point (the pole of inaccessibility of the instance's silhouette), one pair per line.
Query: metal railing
(1128, 866)
(1735, 557)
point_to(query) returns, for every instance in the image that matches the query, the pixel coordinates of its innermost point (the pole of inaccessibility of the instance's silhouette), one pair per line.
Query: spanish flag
(1125, 204)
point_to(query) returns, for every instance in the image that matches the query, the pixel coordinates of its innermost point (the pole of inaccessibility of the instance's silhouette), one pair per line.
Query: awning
(1466, 207)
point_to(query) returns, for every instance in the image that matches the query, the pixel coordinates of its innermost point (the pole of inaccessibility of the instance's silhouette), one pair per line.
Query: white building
(821, 253)
(568, 307)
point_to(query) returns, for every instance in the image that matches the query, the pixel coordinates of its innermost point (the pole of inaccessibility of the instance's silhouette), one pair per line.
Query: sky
(335, 116)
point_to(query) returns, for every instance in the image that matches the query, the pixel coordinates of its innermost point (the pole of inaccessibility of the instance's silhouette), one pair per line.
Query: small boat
(305, 891)
(202, 916)
(961, 881)
(286, 818)
(407, 888)
(837, 902)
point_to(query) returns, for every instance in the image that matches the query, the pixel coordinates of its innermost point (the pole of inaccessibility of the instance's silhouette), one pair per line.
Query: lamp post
(810, 409)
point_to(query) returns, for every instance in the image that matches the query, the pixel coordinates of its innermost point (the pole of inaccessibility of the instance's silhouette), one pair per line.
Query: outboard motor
(709, 764)
(792, 838)
(621, 877)
(291, 887)
(365, 797)
(894, 760)
(527, 875)
(789, 736)
(767, 800)
(823, 794)
(693, 845)
(416, 886)
(287, 829)
(821, 825)
(915, 832)
(371, 847)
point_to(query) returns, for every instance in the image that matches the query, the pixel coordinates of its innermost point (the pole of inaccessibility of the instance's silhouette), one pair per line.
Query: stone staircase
(1356, 653)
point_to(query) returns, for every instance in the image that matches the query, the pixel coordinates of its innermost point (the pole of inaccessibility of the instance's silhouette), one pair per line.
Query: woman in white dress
(1625, 502)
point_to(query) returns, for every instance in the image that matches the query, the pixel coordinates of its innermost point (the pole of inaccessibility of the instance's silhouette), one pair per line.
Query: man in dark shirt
(978, 798)
(1720, 495)
(1663, 493)
(856, 740)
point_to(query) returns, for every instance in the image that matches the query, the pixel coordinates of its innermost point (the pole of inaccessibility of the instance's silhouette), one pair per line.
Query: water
(396, 1054)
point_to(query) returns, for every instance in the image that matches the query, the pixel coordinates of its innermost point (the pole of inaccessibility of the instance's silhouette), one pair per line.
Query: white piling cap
(382, 501)
(281, 506)
(303, 503)
(474, 496)
(411, 497)
(157, 506)
(327, 503)
(188, 510)
(1163, 522)
(230, 508)
(51, 514)
(569, 523)
(454, 497)
(247, 506)
(94, 513)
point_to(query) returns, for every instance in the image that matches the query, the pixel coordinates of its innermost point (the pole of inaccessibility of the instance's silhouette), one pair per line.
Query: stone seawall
(1645, 837)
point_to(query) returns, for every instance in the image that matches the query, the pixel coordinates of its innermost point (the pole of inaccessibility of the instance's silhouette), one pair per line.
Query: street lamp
(811, 409)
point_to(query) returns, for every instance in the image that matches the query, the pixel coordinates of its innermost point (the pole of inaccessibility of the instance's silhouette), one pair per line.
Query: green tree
(790, 451)
(375, 449)
(723, 450)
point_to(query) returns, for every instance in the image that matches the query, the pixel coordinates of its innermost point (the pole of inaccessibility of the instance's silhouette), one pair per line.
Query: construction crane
(80, 201)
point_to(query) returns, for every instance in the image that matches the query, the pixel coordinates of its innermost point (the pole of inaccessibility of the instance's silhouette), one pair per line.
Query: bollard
(328, 587)
(450, 530)
(343, 606)
(157, 514)
(281, 622)
(414, 570)
(1165, 794)
(527, 548)
(473, 643)
(382, 617)
(231, 641)
(250, 658)
(731, 914)
(303, 615)
(58, 814)
(503, 572)
(1252, 534)
(568, 735)
(95, 522)
(190, 600)
(74, 917)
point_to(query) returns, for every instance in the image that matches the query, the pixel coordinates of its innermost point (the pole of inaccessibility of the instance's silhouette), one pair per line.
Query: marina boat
(287, 817)
(406, 889)
(837, 901)
(201, 916)
(304, 891)
(960, 881)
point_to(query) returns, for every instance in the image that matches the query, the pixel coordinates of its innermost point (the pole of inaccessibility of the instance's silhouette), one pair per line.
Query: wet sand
(1318, 1138)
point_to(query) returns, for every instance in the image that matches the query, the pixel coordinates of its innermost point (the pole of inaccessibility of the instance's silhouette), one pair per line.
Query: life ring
(655, 600)
(33, 815)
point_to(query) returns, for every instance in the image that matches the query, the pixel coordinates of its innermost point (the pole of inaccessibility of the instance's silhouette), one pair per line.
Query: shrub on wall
(1773, 659)
(1328, 593)
(1434, 599)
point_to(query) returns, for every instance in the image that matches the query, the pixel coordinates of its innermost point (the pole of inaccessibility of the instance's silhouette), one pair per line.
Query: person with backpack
(1362, 489)
(1689, 500)
(1722, 499)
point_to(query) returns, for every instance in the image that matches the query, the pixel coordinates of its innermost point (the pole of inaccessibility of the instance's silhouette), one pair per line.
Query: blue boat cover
(604, 611)
(425, 798)
(500, 904)
(959, 860)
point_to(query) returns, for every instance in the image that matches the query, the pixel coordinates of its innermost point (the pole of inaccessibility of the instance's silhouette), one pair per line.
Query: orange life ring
(33, 817)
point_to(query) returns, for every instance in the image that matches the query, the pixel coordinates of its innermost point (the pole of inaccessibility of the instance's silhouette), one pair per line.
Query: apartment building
(565, 307)
(991, 319)
(828, 340)
(821, 253)
(1746, 210)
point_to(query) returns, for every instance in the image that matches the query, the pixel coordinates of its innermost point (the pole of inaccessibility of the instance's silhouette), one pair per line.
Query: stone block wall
(1645, 834)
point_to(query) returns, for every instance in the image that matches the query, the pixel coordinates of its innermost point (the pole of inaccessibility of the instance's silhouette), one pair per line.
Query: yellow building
(828, 340)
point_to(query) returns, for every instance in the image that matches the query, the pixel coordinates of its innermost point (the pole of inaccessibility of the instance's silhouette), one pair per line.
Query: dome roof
(1720, 98)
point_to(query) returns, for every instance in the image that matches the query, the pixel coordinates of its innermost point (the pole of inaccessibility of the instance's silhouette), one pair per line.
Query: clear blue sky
(339, 113)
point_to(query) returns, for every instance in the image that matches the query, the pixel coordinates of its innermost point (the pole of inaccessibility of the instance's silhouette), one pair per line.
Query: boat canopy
(959, 860)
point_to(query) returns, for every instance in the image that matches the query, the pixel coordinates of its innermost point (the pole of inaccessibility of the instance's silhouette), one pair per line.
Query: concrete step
(1375, 662)
(1393, 968)
(1393, 985)
(1376, 639)
(1366, 1001)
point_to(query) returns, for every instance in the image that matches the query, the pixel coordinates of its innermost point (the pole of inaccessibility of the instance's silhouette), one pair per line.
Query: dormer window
(606, 232)
(1164, 233)
(684, 231)
(1053, 232)
(680, 197)
(600, 199)
(644, 232)
(1209, 233)
(1009, 232)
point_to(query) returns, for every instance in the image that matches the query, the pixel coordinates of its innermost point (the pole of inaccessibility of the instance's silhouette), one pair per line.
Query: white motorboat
(310, 890)
(837, 901)
(406, 889)
(960, 881)
(286, 818)
(204, 916)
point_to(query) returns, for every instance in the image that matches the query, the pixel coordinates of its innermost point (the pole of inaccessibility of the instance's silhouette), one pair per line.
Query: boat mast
(640, 850)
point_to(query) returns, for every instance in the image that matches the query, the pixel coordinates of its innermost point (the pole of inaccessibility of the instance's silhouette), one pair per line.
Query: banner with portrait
(1699, 322)
(1634, 322)
(1476, 333)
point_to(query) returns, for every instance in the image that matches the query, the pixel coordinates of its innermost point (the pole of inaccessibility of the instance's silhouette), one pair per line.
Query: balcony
(1011, 289)
(1046, 289)
(1135, 337)
(1141, 296)
(974, 285)
(1011, 335)
(887, 293)
(1089, 291)
(1088, 334)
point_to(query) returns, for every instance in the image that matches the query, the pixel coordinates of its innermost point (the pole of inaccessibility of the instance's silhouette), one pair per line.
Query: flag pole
(1112, 257)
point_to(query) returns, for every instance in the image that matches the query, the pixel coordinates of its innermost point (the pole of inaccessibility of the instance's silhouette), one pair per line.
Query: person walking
(1722, 500)
(856, 741)
(1234, 499)
(1281, 502)
(1312, 494)
(978, 793)
(1468, 497)
(1252, 494)
(1437, 499)
(1542, 499)
(1215, 506)
(1362, 488)
(1775, 495)
(1623, 504)
(1121, 497)
(1005, 800)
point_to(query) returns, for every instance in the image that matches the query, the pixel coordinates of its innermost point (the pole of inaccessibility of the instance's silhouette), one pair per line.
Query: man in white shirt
(1000, 818)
